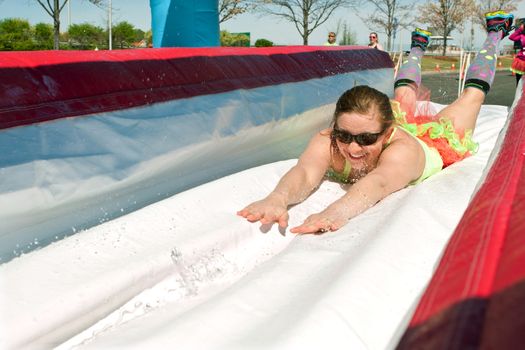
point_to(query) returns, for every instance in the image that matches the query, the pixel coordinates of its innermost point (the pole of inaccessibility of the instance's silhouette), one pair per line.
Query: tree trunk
(305, 28)
(56, 25)
(445, 44)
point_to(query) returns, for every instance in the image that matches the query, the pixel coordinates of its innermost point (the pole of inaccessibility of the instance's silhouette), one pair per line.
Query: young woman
(381, 147)
(518, 64)
(373, 39)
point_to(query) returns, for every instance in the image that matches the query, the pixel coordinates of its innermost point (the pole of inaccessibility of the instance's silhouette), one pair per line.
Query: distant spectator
(374, 41)
(518, 65)
(331, 40)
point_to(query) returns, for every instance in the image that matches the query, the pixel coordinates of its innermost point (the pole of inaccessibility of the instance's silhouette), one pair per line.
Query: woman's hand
(331, 219)
(269, 210)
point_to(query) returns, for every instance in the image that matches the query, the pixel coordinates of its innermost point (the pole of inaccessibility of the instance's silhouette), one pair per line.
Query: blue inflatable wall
(185, 23)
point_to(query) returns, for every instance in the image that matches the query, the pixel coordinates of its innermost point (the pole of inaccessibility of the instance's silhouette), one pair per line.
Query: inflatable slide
(121, 173)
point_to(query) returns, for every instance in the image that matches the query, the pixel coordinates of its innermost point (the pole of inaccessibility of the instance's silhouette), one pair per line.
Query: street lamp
(395, 24)
(110, 24)
(68, 14)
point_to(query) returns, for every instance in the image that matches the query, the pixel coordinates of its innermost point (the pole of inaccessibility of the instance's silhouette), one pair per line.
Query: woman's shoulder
(318, 150)
(323, 135)
(320, 140)
(404, 149)
(404, 140)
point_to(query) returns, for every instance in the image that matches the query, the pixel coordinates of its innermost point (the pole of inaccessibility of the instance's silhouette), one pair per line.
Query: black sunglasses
(364, 139)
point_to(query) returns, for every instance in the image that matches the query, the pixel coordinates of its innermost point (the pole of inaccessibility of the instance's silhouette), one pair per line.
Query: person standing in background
(374, 41)
(331, 40)
(518, 64)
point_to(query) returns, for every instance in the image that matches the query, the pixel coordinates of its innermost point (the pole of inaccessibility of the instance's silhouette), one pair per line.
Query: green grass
(445, 62)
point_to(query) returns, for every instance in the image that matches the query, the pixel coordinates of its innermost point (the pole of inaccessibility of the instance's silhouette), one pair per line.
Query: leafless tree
(484, 6)
(53, 8)
(387, 16)
(345, 34)
(444, 16)
(231, 8)
(306, 15)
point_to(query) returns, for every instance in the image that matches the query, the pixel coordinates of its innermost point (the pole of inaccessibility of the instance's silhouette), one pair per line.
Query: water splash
(182, 284)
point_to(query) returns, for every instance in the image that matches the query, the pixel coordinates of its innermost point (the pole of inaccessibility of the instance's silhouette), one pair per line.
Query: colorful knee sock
(410, 71)
(481, 72)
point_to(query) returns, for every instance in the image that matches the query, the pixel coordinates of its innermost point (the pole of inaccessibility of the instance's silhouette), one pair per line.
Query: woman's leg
(409, 75)
(464, 111)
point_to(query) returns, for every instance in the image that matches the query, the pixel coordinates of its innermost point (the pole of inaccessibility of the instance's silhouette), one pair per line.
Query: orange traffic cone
(437, 69)
(453, 66)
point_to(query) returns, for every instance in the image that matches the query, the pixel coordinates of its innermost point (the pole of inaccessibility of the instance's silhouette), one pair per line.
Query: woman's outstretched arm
(295, 186)
(398, 165)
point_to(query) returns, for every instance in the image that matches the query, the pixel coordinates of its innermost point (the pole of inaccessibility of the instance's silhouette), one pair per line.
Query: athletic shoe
(420, 38)
(499, 20)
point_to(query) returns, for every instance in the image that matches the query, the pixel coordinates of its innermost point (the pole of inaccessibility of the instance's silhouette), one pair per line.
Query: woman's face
(362, 157)
(373, 38)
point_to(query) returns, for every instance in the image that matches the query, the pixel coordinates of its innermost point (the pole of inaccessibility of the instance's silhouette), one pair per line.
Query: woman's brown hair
(363, 99)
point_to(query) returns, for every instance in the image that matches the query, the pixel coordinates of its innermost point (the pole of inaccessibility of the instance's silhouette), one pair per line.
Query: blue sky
(137, 12)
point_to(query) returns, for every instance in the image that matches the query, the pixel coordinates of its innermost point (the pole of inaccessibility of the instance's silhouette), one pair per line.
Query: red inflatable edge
(476, 298)
(45, 85)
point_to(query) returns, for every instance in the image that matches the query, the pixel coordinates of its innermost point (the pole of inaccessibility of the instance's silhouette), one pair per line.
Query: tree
(85, 35)
(54, 11)
(123, 34)
(306, 15)
(43, 35)
(263, 43)
(385, 17)
(345, 35)
(15, 34)
(484, 6)
(234, 39)
(138, 34)
(231, 8)
(149, 38)
(444, 16)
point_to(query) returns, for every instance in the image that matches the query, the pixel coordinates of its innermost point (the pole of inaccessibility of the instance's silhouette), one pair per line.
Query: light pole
(395, 24)
(110, 24)
(68, 14)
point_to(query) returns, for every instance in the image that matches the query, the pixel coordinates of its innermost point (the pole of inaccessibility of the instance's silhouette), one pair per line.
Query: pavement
(444, 88)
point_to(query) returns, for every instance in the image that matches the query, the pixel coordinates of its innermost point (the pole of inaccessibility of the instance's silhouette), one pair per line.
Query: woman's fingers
(283, 219)
(265, 215)
(311, 227)
(317, 224)
(280, 217)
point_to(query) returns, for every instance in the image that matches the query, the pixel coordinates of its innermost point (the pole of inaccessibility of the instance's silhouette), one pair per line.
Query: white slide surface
(187, 273)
